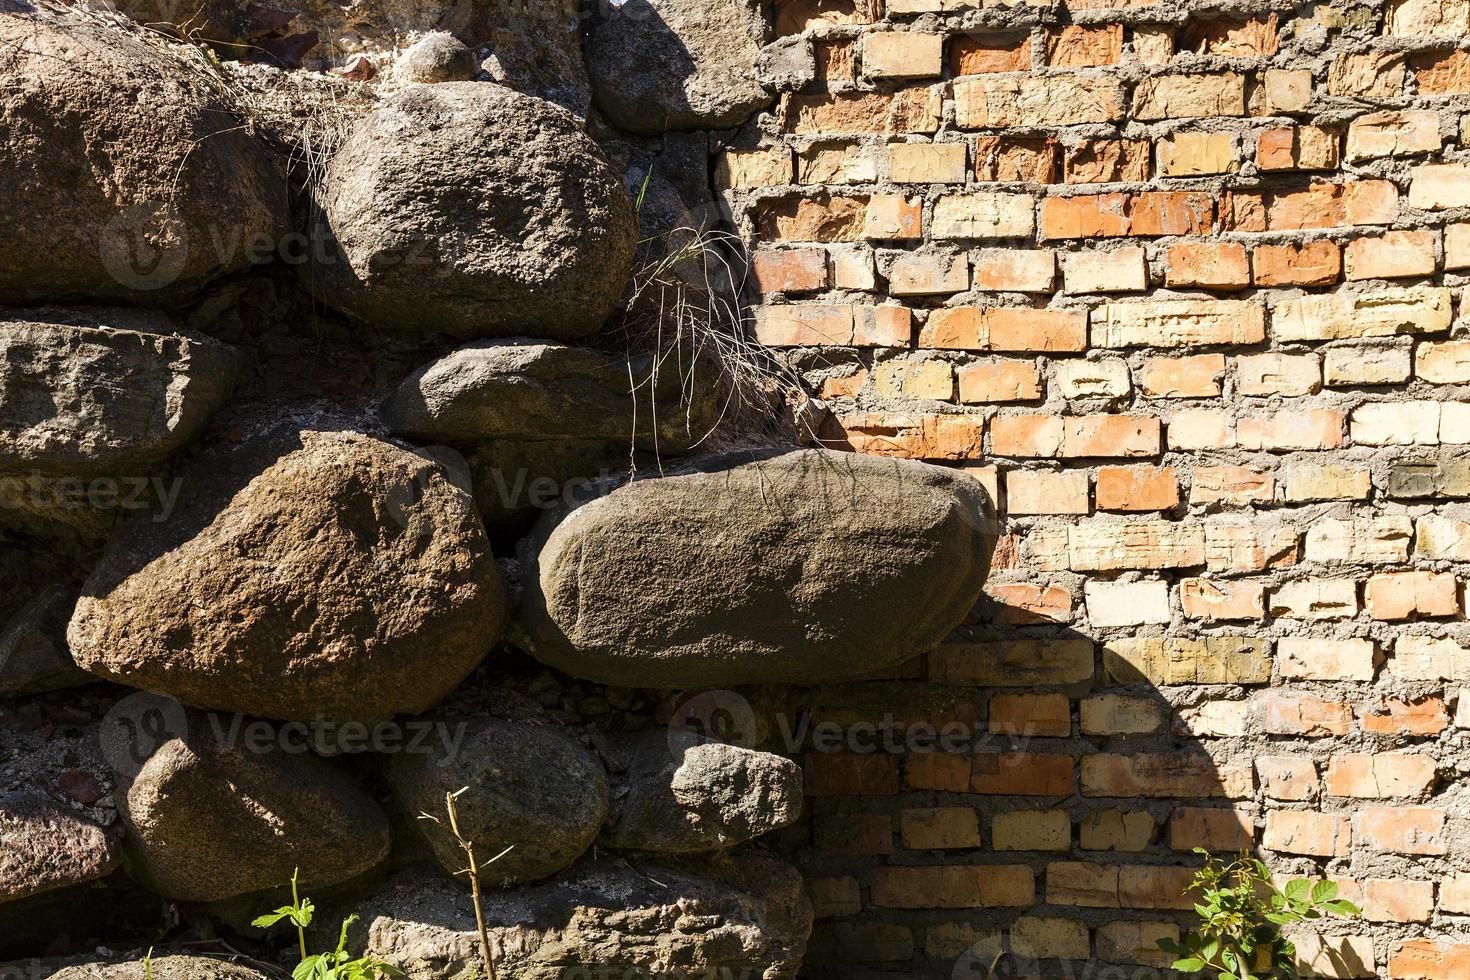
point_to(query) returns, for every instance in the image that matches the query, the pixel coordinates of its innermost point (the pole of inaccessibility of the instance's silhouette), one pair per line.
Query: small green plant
(335, 965)
(1242, 913)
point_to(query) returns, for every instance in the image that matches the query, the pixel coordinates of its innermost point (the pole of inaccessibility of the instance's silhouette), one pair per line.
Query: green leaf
(1298, 890)
(1324, 891)
(266, 921)
(1190, 965)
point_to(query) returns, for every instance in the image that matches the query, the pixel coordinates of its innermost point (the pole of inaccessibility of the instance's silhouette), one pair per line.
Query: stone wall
(1182, 285)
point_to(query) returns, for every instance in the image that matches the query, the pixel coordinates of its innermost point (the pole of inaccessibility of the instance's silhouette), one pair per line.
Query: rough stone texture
(43, 847)
(33, 652)
(676, 796)
(305, 573)
(437, 57)
(469, 209)
(530, 787)
(83, 391)
(658, 65)
(529, 390)
(208, 820)
(795, 568)
(531, 47)
(745, 917)
(124, 176)
(160, 966)
(516, 480)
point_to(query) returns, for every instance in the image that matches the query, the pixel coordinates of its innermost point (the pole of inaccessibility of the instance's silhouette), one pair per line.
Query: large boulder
(658, 65)
(160, 966)
(530, 788)
(304, 573)
(469, 209)
(86, 391)
(809, 567)
(123, 174)
(535, 391)
(33, 654)
(748, 917)
(210, 817)
(45, 847)
(681, 796)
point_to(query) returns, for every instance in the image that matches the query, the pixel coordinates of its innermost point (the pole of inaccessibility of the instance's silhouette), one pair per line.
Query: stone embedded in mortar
(471, 210)
(44, 847)
(657, 65)
(84, 391)
(678, 796)
(745, 917)
(304, 573)
(123, 176)
(159, 966)
(209, 818)
(530, 390)
(811, 567)
(530, 787)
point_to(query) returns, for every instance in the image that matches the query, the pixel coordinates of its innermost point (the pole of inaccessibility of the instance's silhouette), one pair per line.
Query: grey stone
(657, 65)
(788, 64)
(304, 573)
(1429, 478)
(209, 819)
(87, 391)
(33, 653)
(160, 966)
(471, 210)
(812, 566)
(746, 917)
(44, 847)
(124, 176)
(530, 788)
(679, 796)
(436, 57)
(531, 390)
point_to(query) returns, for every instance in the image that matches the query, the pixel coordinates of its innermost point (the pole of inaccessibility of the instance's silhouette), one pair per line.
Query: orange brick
(1034, 715)
(953, 887)
(1429, 959)
(1409, 595)
(1304, 832)
(1137, 488)
(1004, 158)
(1021, 774)
(1392, 255)
(940, 828)
(1443, 73)
(1234, 486)
(952, 437)
(814, 219)
(1426, 716)
(1003, 328)
(1082, 884)
(1155, 774)
(1310, 264)
(1104, 161)
(1171, 213)
(796, 270)
(1086, 216)
(854, 834)
(1222, 599)
(1025, 603)
(944, 772)
(1310, 429)
(912, 110)
(1152, 887)
(1306, 715)
(1078, 46)
(1026, 435)
(976, 54)
(1362, 202)
(1183, 377)
(836, 61)
(989, 382)
(1403, 829)
(1297, 148)
(1231, 37)
(1212, 265)
(1286, 777)
(1219, 830)
(1111, 435)
(1014, 270)
(1379, 776)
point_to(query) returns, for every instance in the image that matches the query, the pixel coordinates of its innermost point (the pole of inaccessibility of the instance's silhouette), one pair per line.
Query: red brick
(1380, 776)
(1429, 959)
(990, 382)
(1157, 774)
(1016, 160)
(1362, 202)
(975, 54)
(1410, 595)
(1403, 829)
(854, 834)
(953, 887)
(1032, 715)
(1214, 829)
(1103, 161)
(847, 774)
(1304, 832)
(1222, 599)
(1079, 46)
(1024, 603)
(796, 270)
(1197, 376)
(1306, 715)
(1424, 717)
(1111, 435)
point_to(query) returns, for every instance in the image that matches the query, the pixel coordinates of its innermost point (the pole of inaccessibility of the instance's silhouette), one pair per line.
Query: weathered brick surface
(1186, 286)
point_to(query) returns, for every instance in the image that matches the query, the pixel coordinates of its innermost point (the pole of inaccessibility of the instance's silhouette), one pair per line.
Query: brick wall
(1183, 285)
